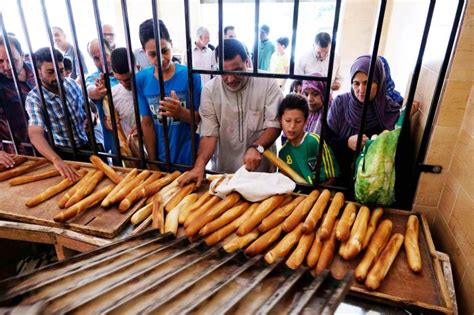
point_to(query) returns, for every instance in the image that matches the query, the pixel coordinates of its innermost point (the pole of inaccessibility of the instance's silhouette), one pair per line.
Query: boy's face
(292, 123)
(280, 48)
(166, 53)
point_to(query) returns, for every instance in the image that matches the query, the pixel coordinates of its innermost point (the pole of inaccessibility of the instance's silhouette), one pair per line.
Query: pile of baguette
(299, 229)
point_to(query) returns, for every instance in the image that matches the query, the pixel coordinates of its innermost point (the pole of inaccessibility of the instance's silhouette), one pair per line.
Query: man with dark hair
(68, 51)
(11, 111)
(317, 60)
(238, 118)
(56, 113)
(175, 107)
(280, 60)
(67, 67)
(229, 32)
(266, 49)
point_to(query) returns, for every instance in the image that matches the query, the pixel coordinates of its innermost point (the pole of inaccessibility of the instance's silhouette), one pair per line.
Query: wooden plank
(95, 221)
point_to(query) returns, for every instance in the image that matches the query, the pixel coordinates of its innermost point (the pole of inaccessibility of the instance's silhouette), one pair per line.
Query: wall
(448, 199)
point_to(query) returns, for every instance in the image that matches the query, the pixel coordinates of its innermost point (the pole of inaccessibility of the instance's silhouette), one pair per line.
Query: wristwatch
(260, 149)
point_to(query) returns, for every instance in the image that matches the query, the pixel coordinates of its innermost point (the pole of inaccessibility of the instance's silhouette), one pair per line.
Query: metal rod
(327, 93)
(136, 110)
(437, 93)
(296, 7)
(373, 60)
(189, 54)
(338, 294)
(261, 74)
(208, 293)
(85, 95)
(257, 36)
(156, 31)
(62, 93)
(220, 11)
(105, 71)
(308, 293)
(279, 294)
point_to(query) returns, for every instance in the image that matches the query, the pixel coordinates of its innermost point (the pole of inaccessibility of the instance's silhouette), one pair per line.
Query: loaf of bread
(314, 251)
(374, 220)
(282, 166)
(328, 223)
(299, 254)
(171, 221)
(316, 212)
(18, 161)
(141, 214)
(300, 212)
(79, 184)
(107, 202)
(20, 180)
(133, 196)
(158, 215)
(193, 216)
(384, 262)
(240, 242)
(183, 192)
(412, 247)
(108, 171)
(185, 205)
(327, 253)
(19, 170)
(225, 218)
(86, 189)
(129, 186)
(279, 215)
(284, 245)
(343, 229)
(354, 244)
(264, 242)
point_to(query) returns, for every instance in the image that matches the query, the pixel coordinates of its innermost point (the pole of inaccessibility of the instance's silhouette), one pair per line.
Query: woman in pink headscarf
(315, 92)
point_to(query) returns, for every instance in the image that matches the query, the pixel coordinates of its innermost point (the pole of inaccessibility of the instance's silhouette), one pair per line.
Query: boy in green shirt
(300, 151)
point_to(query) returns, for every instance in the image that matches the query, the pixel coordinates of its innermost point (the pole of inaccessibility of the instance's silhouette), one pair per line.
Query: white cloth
(309, 64)
(123, 103)
(238, 119)
(253, 186)
(203, 60)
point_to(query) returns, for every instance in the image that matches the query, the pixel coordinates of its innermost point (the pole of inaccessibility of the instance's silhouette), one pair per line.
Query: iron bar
(308, 293)
(296, 7)
(256, 45)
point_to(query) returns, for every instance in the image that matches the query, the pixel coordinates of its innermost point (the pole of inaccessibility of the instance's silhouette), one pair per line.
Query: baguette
(52, 191)
(185, 205)
(330, 218)
(158, 215)
(264, 241)
(86, 189)
(412, 247)
(285, 245)
(240, 242)
(225, 231)
(279, 215)
(20, 170)
(300, 212)
(173, 184)
(327, 253)
(201, 201)
(108, 171)
(316, 212)
(223, 205)
(225, 218)
(354, 244)
(374, 220)
(284, 167)
(129, 186)
(107, 202)
(18, 160)
(133, 196)
(263, 210)
(377, 243)
(64, 199)
(142, 226)
(314, 251)
(384, 262)
(202, 210)
(183, 192)
(86, 203)
(154, 187)
(171, 222)
(343, 229)
(141, 214)
(20, 180)
(299, 254)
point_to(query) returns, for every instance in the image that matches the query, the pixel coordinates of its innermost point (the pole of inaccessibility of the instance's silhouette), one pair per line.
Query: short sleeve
(33, 108)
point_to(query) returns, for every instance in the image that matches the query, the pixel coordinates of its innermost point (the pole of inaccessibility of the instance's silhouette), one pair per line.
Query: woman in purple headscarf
(315, 92)
(345, 114)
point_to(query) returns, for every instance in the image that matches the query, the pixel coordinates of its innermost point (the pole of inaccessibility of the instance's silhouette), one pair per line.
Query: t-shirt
(265, 52)
(303, 158)
(278, 65)
(123, 103)
(179, 133)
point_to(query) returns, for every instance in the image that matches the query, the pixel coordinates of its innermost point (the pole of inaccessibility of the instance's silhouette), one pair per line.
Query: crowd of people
(236, 117)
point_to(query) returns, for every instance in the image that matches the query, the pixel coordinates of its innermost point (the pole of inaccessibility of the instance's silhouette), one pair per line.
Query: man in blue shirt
(56, 113)
(265, 50)
(176, 105)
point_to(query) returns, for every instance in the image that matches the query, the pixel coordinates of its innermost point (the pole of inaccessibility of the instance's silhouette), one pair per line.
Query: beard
(52, 86)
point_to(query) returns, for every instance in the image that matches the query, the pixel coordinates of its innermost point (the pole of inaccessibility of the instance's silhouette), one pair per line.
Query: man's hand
(352, 141)
(335, 86)
(171, 107)
(194, 175)
(100, 86)
(252, 159)
(6, 159)
(65, 170)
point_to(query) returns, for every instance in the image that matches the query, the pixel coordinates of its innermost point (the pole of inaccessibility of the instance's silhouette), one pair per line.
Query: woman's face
(315, 101)
(359, 85)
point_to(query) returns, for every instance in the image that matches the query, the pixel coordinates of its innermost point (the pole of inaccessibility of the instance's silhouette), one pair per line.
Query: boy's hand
(352, 142)
(252, 159)
(171, 106)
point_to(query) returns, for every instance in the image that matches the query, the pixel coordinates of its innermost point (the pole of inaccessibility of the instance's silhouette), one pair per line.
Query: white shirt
(123, 103)
(238, 119)
(203, 60)
(309, 64)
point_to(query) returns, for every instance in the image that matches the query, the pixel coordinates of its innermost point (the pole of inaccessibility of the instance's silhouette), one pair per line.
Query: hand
(100, 85)
(107, 122)
(171, 106)
(335, 86)
(415, 106)
(252, 159)
(6, 159)
(66, 170)
(196, 174)
(352, 141)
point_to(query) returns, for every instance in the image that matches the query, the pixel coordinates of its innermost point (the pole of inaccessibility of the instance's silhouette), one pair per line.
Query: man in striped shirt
(37, 126)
